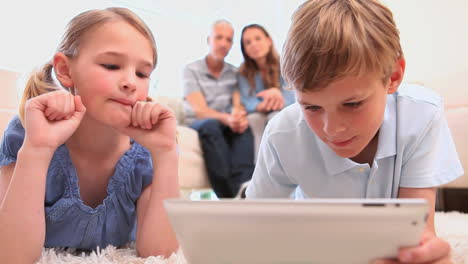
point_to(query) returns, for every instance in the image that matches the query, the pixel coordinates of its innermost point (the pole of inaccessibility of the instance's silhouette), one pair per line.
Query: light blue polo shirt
(415, 150)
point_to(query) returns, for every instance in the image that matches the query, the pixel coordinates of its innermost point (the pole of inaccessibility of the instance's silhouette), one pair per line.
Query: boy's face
(347, 114)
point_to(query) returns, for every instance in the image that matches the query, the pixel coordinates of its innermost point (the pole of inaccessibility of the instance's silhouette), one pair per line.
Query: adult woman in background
(262, 89)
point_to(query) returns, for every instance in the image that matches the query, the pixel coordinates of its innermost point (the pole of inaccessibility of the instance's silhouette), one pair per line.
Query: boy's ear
(397, 76)
(62, 69)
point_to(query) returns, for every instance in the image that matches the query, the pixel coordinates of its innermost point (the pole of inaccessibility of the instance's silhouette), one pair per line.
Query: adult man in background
(213, 108)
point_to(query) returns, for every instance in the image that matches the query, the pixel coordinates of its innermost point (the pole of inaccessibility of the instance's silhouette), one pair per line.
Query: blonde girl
(90, 160)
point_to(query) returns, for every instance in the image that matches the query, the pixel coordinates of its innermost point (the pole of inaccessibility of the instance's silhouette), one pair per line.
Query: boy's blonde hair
(331, 39)
(41, 81)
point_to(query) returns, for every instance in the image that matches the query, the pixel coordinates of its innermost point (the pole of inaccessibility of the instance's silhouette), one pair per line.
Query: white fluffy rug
(452, 227)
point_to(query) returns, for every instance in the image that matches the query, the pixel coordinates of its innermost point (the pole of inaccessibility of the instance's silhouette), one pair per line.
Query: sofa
(457, 118)
(454, 195)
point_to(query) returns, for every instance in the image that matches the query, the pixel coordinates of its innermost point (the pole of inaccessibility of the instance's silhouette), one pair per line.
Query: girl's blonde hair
(249, 67)
(41, 81)
(331, 39)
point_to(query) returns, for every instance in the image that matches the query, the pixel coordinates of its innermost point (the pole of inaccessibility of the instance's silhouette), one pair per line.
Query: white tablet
(288, 231)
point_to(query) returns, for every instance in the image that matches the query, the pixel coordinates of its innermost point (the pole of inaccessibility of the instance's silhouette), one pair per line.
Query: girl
(261, 86)
(89, 147)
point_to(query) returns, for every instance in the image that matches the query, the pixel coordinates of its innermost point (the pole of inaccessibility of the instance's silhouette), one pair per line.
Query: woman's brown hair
(249, 67)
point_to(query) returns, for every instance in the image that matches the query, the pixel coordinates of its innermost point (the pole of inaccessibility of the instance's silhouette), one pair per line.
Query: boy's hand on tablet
(431, 250)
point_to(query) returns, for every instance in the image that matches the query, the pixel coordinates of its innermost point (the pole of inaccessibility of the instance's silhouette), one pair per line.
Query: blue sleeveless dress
(71, 223)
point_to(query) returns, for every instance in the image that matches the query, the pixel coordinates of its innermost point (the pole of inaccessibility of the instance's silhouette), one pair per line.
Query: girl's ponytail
(39, 82)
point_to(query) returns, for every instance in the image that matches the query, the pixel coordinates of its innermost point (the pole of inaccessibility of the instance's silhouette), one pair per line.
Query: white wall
(434, 37)
(433, 33)
(30, 35)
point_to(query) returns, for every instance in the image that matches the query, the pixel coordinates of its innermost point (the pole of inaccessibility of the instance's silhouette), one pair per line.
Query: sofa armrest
(175, 104)
(457, 119)
(192, 170)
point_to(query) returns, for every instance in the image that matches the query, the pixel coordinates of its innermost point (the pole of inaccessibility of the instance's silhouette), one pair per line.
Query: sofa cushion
(457, 118)
(192, 170)
(175, 104)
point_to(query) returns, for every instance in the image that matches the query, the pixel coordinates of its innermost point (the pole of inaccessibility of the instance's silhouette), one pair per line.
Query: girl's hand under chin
(153, 126)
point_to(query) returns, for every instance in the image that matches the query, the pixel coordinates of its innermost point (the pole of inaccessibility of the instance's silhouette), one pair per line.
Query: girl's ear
(397, 76)
(62, 69)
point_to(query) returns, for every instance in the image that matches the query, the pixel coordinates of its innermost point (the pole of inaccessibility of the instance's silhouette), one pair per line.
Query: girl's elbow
(21, 257)
(165, 251)
(36, 256)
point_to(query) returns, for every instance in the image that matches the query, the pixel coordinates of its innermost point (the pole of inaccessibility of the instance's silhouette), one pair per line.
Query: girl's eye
(353, 104)
(110, 66)
(141, 75)
(313, 108)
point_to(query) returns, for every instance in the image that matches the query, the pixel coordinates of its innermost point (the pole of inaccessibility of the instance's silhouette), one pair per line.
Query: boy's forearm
(157, 236)
(429, 194)
(22, 220)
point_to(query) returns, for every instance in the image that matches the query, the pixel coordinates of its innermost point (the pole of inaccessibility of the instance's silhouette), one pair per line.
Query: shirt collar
(334, 164)
(207, 71)
(387, 133)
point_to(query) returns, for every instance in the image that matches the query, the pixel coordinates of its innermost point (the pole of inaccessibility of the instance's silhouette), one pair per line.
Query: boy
(352, 134)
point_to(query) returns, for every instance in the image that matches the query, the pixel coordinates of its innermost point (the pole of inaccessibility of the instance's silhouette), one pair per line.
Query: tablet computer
(291, 231)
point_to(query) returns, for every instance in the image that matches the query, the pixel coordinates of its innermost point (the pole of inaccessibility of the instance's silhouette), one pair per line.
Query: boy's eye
(141, 75)
(353, 104)
(313, 108)
(110, 66)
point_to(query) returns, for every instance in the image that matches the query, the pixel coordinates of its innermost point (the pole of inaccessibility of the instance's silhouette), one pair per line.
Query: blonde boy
(353, 134)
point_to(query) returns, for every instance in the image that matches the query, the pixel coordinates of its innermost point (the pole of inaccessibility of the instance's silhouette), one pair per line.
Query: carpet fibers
(452, 227)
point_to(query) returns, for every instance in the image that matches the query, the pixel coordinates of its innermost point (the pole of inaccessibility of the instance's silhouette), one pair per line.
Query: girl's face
(111, 72)
(256, 43)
